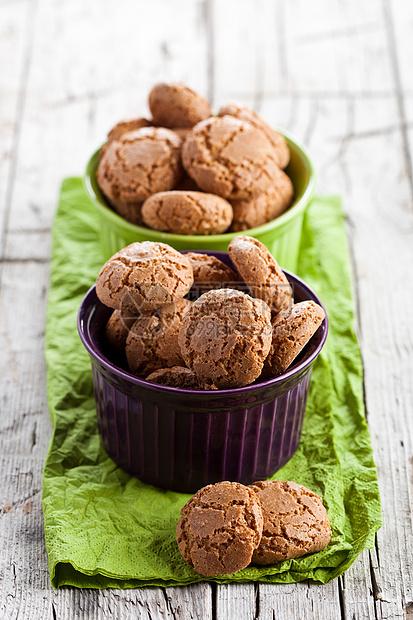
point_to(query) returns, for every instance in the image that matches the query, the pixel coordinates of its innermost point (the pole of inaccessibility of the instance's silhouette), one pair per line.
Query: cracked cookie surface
(152, 341)
(144, 276)
(175, 105)
(277, 140)
(225, 337)
(229, 157)
(140, 163)
(123, 127)
(290, 334)
(263, 207)
(261, 272)
(219, 528)
(187, 213)
(211, 273)
(295, 521)
(179, 377)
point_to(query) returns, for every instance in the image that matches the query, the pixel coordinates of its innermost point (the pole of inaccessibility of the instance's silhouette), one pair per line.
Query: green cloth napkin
(104, 528)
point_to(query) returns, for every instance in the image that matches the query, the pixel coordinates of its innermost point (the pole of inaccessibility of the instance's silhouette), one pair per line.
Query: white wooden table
(338, 76)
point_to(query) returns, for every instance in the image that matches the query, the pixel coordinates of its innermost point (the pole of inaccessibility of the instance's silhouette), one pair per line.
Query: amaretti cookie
(295, 521)
(225, 337)
(187, 213)
(123, 127)
(175, 105)
(210, 272)
(182, 132)
(116, 331)
(140, 163)
(290, 334)
(277, 140)
(179, 377)
(130, 211)
(229, 157)
(152, 341)
(261, 272)
(262, 208)
(144, 276)
(219, 528)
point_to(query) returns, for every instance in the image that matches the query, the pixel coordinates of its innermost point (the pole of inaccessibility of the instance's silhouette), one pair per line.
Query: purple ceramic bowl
(183, 440)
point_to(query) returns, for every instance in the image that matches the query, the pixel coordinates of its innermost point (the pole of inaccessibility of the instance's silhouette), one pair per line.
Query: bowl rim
(278, 222)
(210, 394)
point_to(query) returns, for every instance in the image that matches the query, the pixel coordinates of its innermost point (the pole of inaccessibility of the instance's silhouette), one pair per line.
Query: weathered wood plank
(15, 45)
(300, 48)
(237, 600)
(24, 424)
(146, 603)
(300, 601)
(24, 577)
(336, 47)
(356, 594)
(24, 245)
(399, 22)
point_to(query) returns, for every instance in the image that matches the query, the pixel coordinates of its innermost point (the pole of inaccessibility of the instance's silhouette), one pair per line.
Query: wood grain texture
(338, 77)
(15, 48)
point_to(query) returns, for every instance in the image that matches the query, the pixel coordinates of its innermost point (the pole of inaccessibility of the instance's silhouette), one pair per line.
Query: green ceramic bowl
(281, 236)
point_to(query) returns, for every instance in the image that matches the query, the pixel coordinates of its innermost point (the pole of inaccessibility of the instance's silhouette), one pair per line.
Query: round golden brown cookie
(152, 341)
(175, 105)
(261, 272)
(229, 157)
(219, 528)
(225, 337)
(187, 213)
(182, 132)
(290, 334)
(116, 331)
(123, 127)
(277, 140)
(264, 207)
(295, 521)
(130, 211)
(179, 377)
(139, 164)
(144, 276)
(211, 273)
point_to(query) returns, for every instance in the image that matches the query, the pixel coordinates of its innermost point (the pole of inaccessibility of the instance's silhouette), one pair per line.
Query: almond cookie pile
(226, 526)
(190, 173)
(189, 321)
